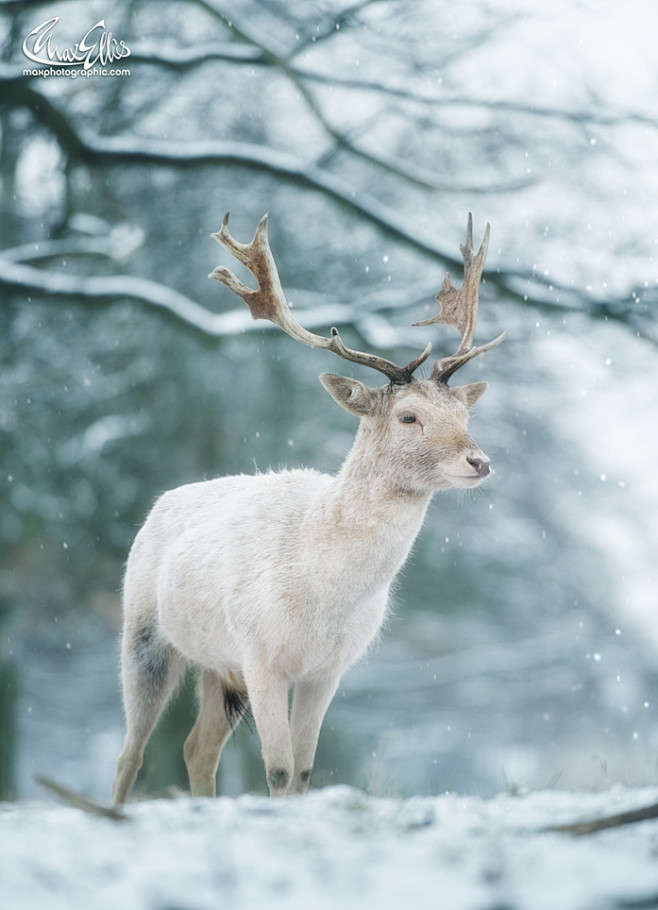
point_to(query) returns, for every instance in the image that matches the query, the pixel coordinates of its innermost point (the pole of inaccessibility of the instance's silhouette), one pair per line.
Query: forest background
(523, 642)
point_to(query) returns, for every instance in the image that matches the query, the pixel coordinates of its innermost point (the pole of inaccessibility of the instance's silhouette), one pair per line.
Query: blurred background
(523, 643)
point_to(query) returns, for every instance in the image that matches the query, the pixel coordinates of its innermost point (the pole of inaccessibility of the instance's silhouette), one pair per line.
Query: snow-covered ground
(335, 847)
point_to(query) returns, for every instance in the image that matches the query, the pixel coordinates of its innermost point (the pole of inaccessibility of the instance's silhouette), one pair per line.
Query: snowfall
(333, 847)
(342, 847)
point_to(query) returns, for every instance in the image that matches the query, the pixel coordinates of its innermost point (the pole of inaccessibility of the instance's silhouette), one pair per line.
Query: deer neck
(367, 500)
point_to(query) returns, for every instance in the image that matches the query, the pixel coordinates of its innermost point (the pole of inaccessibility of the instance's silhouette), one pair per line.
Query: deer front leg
(268, 696)
(309, 705)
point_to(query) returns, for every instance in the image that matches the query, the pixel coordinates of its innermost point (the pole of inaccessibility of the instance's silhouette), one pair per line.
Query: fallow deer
(278, 580)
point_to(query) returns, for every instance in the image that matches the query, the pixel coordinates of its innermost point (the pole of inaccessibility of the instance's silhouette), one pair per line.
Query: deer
(275, 582)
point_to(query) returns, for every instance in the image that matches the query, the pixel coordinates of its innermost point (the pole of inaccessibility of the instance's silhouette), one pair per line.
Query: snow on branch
(127, 287)
(131, 151)
(185, 58)
(21, 277)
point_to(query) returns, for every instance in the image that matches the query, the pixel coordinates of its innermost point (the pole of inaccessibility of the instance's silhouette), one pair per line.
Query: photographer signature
(96, 46)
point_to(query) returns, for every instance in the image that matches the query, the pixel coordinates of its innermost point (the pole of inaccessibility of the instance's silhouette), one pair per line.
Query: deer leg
(268, 696)
(220, 708)
(309, 705)
(151, 669)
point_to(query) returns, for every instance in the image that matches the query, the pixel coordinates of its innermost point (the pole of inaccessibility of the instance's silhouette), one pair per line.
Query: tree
(368, 130)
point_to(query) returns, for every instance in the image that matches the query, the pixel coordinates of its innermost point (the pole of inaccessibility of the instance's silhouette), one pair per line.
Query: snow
(332, 847)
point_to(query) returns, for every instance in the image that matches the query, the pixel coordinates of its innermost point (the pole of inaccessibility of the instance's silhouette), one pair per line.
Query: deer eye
(408, 418)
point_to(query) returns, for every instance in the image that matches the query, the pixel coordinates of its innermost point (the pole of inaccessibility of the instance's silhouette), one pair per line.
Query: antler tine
(269, 302)
(459, 307)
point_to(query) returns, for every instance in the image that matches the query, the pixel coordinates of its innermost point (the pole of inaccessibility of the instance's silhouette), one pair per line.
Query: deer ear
(350, 394)
(469, 394)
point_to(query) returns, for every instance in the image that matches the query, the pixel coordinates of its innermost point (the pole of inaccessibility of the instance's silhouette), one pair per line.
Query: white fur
(282, 579)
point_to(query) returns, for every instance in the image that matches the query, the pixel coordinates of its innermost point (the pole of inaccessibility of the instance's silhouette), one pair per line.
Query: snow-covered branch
(130, 151)
(96, 290)
(184, 58)
(126, 287)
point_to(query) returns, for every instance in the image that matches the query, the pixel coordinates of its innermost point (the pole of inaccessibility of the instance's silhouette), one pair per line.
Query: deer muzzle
(480, 464)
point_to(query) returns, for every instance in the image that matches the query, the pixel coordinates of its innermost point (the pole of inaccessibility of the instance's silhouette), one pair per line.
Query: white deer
(282, 579)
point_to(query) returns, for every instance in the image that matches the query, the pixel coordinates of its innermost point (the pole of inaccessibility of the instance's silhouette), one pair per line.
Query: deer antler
(459, 307)
(269, 302)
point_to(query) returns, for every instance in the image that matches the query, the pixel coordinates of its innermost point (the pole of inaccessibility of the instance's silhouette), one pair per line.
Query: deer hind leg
(222, 702)
(310, 701)
(268, 696)
(151, 670)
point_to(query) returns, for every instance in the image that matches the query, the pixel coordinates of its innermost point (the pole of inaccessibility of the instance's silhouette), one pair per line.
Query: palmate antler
(458, 307)
(269, 302)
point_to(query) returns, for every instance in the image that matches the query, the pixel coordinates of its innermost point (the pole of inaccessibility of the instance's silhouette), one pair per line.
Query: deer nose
(481, 464)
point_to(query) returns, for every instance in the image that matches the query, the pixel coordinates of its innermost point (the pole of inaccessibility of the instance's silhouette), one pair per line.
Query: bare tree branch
(118, 150)
(330, 26)
(99, 290)
(106, 150)
(444, 100)
(242, 29)
(127, 151)
(78, 801)
(20, 6)
(126, 287)
(16, 275)
(578, 829)
(113, 247)
(187, 58)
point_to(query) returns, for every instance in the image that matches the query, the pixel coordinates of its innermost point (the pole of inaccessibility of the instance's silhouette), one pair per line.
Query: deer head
(419, 425)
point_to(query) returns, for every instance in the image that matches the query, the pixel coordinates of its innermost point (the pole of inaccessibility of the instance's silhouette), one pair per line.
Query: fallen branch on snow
(578, 829)
(81, 802)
